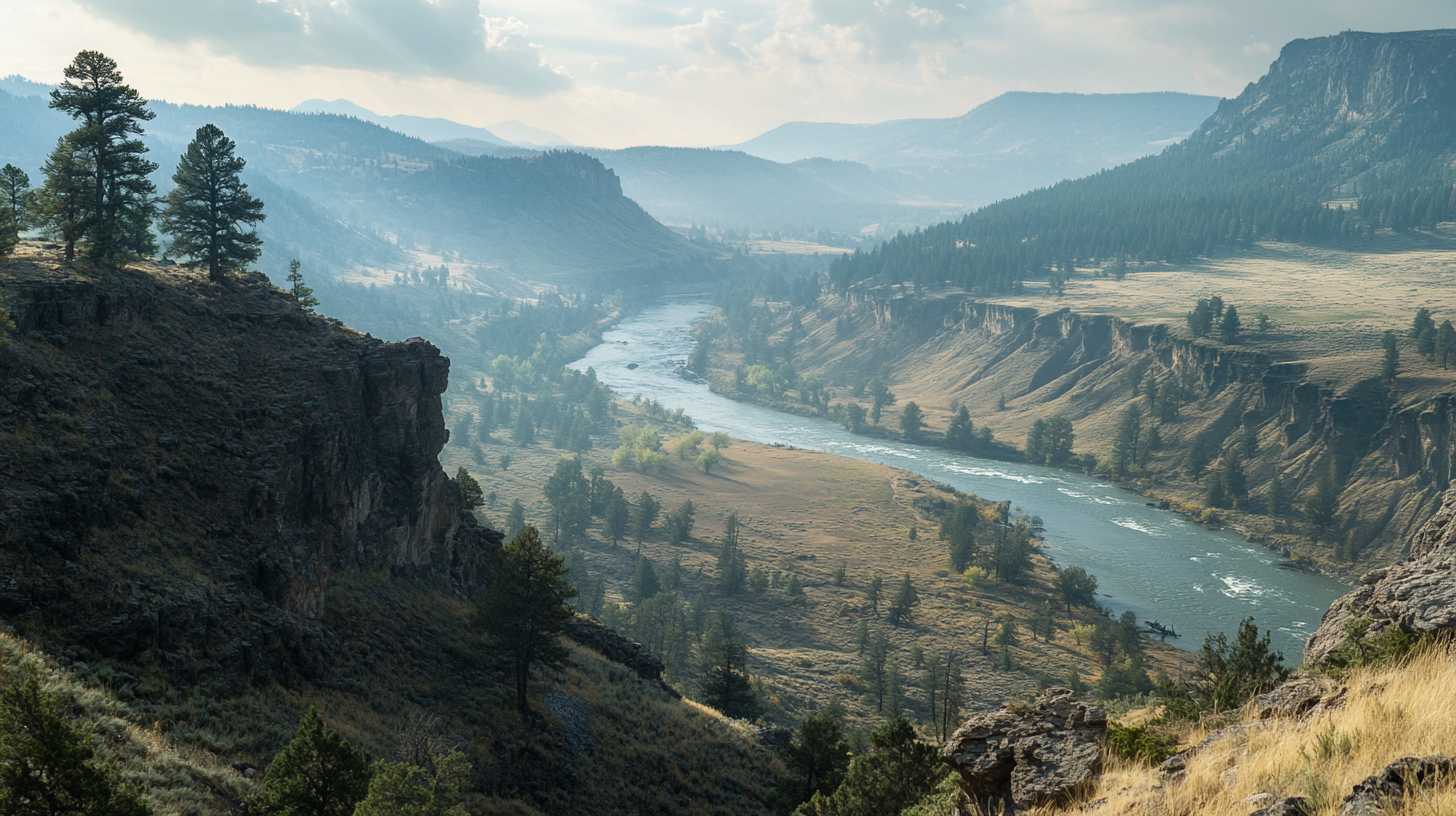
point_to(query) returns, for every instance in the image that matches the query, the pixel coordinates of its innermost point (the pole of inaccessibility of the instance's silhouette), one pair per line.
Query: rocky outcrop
(613, 646)
(1417, 597)
(1048, 753)
(190, 467)
(1397, 780)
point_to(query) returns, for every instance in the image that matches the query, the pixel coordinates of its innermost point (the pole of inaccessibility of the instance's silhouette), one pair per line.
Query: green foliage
(618, 515)
(1226, 675)
(568, 491)
(709, 459)
(47, 764)
(906, 599)
(732, 572)
(117, 213)
(1124, 678)
(402, 789)
(523, 609)
(1387, 648)
(1077, 587)
(1444, 347)
(874, 669)
(1390, 360)
(1050, 441)
(1322, 505)
(912, 419)
(318, 773)
(725, 682)
(957, 530)
(1138, 744)
(1422, 323)
(897, 773)
(515, 519)
(679, 523)
(816, 760)
(644, 581)
(471, 496)
(301, 294)
(15, 198)
(644, 513)
(61, 204)
(207, 210)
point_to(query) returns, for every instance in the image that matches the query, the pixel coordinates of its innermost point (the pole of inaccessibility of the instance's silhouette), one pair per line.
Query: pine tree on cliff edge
(524, 608)
(207, 210)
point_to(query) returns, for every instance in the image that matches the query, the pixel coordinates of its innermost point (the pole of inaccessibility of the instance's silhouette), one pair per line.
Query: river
(1151, 561)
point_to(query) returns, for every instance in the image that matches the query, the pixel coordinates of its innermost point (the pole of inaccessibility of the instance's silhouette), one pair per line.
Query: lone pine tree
(524, 608)
(208, 210)
(318, 773)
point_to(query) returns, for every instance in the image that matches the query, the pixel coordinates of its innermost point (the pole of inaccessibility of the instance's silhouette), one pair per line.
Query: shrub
(1138, 744)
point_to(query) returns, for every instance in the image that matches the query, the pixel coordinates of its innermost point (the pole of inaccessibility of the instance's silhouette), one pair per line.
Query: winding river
(1148, 560)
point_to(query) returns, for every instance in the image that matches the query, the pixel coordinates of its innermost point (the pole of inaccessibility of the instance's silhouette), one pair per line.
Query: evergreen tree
(898, 772)
(912, 419)
(906, 598)
(1197, 459)
(961, 433)
(679, 523)
(471, 496)
(1077, 587)
(1125, 446)
(303, 295)
(116, 221)
(732, 572)
(405, 789)
(568, 492)
(318, 773)
(207, 211)
(47, 763)
(1228, 327)
(956, 529)
(644, 581)
(1390, 362)
(1422, 323)
(618, 515)
(644, 513)
(523, 610)
(1276, 500)
(816, 761)
(515, 520)
(1234, 482)
(874, 669)
(1445, 346)
(14, 206)
(725, 682)
(874, 592)
(1228, 675)
(1322, 505)
(62, 202)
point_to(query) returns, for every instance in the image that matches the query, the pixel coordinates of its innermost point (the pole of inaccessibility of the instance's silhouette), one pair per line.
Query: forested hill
(342, 191)
(1354, 118)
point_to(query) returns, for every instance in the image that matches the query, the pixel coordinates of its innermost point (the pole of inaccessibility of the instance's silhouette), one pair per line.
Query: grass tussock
(1408, 710)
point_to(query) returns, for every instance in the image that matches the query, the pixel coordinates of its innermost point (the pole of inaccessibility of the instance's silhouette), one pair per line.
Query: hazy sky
(619, 72)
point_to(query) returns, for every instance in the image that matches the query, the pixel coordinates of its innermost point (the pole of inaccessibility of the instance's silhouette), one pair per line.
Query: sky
(614, 73)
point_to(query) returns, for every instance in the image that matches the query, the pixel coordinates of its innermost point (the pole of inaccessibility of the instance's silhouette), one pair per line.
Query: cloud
(1257, 48)
(411, 38)
(712, 36)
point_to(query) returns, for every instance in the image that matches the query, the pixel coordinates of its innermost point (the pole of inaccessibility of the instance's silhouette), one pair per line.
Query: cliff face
(1392, 457)
(188, 466)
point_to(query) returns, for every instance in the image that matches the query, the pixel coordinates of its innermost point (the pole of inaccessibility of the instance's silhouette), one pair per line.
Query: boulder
(1294, 697)
(1396, 780)
(1293, 806)
(1417, 597)
(1012, 759)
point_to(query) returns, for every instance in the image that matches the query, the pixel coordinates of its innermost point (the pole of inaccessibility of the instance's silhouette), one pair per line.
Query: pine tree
(1445, 345)
(207, 210)
(816, 761)
(1275, 500)
(644, 513)
(406, 789)
(117, 217)
(906, 598)
(617, 515)
(515, 519)
(912, 419)
(899, 772)
(302, 295)
(725, 682)
(1390, 362)
(15, 200)
(732, 572)
(471, 496)
(1228, 327)
(63, 200)
(1322, 505)
(318, 773)
(1421, 323)
(644, 581)
(523, 610)
(47, 763)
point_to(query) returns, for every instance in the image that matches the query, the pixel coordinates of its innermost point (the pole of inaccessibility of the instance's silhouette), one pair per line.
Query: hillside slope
(224, 510)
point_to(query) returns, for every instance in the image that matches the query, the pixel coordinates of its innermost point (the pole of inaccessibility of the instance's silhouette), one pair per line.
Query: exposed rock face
(1417, 597)
(190, 464)
(613, 646)
(1020, 759)
(1400, 778)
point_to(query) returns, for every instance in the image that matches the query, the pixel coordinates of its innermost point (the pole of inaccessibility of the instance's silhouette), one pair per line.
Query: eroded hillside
(219, 510)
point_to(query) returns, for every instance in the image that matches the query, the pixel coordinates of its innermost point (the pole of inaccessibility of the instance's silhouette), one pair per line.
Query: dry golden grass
(1407, 711)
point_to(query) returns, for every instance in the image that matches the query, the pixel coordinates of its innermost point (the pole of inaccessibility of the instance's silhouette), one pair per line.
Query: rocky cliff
(189, 465)
(1392, 454)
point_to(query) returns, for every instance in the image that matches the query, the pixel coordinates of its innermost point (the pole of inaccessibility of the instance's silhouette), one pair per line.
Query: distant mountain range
(433, 129)
(1355, 119)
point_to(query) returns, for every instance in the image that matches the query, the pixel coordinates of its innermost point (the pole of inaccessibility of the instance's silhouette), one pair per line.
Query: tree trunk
(523, 673)
(214, 271)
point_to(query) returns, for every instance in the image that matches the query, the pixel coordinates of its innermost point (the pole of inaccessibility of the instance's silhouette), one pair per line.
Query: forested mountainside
(1013, 143)
(221, 510)
(359, 192)
(1345, 135)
